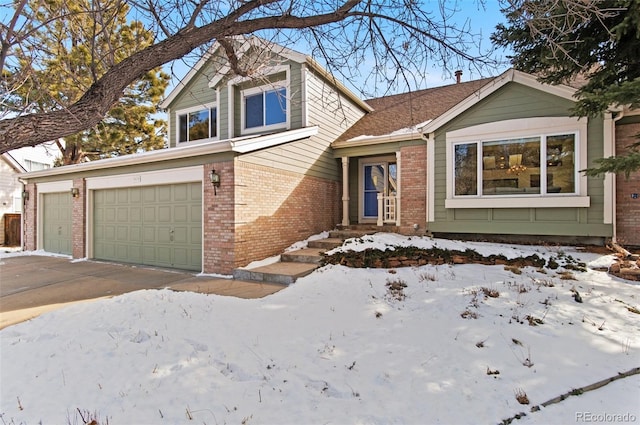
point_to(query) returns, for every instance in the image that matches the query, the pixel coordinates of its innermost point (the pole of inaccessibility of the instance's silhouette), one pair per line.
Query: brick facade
(79, 220)
(275, 208)
(413, 195)
(29, 217)
(218, 211)
(627, 206)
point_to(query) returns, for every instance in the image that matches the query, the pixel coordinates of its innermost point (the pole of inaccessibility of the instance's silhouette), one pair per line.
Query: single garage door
(150, 225)
(56, 222)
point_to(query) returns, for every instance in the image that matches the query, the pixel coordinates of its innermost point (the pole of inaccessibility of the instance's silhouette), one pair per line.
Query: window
(516, 167)
(197, 125)
(264, 108)
(35, 165)
(522, 163)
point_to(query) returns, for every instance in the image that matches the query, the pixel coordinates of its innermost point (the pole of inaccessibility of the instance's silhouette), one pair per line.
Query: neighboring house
(10, 200)
(12, 165)
(257, 163)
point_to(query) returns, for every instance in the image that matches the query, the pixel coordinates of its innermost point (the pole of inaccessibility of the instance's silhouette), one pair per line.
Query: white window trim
(184, 111)
(512, 129)
(262, 89)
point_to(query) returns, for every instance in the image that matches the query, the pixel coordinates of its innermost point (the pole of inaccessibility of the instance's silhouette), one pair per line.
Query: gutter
(377, 140)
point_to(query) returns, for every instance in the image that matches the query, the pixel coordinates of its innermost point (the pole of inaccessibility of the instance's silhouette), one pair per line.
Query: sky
(408, 345)
(481, 16)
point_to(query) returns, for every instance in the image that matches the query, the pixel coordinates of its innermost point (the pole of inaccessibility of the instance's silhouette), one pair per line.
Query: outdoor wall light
(75, 192)
(25, 195)
(215, 180)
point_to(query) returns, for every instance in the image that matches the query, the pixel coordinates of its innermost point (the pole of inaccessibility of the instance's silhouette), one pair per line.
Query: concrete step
(305, 255)
(284, 273)
(325, 244)
(348, 233)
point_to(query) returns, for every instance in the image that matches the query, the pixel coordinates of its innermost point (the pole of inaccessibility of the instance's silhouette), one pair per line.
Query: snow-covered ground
(340, 347)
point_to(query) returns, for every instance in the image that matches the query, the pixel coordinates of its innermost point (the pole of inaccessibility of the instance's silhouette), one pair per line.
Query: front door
(377, 177)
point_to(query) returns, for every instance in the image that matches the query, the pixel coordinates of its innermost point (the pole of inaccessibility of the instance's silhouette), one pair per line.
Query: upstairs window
(264, 108)
(198, 124)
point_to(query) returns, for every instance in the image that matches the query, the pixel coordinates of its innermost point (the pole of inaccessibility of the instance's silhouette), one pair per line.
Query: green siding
(331, 111)
(515, 101)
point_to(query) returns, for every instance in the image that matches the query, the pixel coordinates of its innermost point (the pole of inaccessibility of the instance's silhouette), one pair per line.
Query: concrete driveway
(32, 284)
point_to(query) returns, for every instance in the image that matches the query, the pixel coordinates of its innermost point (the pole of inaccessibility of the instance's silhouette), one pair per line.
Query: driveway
(33, 284)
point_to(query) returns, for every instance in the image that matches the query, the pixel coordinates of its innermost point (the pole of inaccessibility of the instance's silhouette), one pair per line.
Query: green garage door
(56, 222)
(151, 225)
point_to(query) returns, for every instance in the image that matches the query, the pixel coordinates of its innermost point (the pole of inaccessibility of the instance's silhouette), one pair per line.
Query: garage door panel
(149, 235)
(181, 214)
(163, 225)
(164, 235)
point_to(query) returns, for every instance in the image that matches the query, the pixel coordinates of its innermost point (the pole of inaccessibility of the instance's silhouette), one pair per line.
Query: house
(260, 161)
(12, 165)
(10, 200)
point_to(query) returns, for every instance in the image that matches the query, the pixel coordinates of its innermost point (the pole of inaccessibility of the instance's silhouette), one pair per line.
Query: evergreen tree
(80, 49)
(597, 41)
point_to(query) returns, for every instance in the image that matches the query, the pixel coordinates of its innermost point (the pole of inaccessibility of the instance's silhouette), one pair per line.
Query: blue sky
(480, 18)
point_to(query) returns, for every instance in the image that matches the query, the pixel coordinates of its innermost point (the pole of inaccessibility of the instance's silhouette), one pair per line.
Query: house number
(634, 196)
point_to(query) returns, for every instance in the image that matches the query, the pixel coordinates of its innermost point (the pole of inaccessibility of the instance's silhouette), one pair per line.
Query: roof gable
(493, 85)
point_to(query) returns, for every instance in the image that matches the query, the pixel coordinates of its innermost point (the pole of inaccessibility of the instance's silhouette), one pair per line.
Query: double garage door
(150, 225)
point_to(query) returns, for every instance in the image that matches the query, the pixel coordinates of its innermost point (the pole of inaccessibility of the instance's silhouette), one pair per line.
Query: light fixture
(215, 180)
(75, 192)
(25, 195)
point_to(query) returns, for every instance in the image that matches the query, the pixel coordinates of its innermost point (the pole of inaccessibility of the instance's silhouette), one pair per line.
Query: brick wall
(413, 190)
(218, 220)
(275, 208)
(79, 220)
(627, 207)
(29, 222)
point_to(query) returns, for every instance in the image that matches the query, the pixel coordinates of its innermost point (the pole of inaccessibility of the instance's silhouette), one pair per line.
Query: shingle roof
(401, 111)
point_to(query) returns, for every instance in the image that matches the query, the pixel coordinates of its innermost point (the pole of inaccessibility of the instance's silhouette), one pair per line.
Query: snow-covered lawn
(340, 347)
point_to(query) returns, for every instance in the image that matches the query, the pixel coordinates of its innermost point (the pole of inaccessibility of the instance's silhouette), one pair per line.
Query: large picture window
(541, 165)
(197, 125)
(264, 108)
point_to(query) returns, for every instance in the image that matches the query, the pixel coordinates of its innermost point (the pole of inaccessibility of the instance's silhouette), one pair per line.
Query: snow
(338, 347)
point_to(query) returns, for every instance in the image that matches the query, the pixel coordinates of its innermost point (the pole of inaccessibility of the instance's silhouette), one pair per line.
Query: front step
(284, 273)
(292, 264)
(305, 255)
(325, 244)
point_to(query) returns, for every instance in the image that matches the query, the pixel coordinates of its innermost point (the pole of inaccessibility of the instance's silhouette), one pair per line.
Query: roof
(263, 45)
(240, 145)
(11, 161)
(409, 110)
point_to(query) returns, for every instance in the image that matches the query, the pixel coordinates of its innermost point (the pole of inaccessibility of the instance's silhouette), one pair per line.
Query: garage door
(151, 225)
(56, 222)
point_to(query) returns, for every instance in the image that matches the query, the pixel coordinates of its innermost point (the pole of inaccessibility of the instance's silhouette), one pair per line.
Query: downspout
(23, 215)
(613, 184)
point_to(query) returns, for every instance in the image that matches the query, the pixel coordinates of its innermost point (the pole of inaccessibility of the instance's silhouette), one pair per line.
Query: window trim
(206, 106)
(513, 129)
(277, 85)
